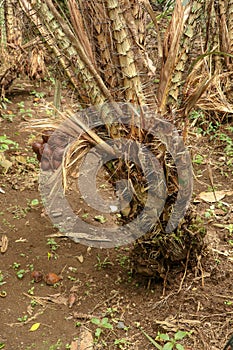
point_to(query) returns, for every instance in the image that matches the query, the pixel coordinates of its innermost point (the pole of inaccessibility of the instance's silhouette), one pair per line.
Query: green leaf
(106, 324)
(168, 346)
(180, 335)
(95, 320)
(153, 342)
(100, 218)
(34, 327)
(163, 336)
(120, 341)
(98, 331)
(2, 345)
(198, 159)
(20, 274)
(34, 202)
(179, 347)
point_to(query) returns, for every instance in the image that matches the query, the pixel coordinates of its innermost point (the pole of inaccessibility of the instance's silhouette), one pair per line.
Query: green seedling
(20, 104)
(100, 218)
(101, 325)
(31, 267)
(111, 311)
(123, 260)
(2, 282)
(33, 303)
(20, 274)
(210, 212)
(8, 117)
(6, 144)
(198, 159)
(23, 318)
(169, 343)
(102, 264)
(71, 278)
(15, 265)
(229, 228)
(121, 343)
(31, 291)
(56, 346)
(25, 112)
(52, 244)
(32, 160)
(4, 102)
(33, 203)
(37, 94)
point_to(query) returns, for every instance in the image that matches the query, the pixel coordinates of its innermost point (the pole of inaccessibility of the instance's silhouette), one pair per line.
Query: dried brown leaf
(4, 244)
(71, 300)
(86, 339)
(74, 345)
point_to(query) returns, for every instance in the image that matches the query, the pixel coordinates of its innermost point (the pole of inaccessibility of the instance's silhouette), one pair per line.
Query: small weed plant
(52, 244)
(216, 132)
(101, 324)
(102, 264)
(7, 144)
(168, 342)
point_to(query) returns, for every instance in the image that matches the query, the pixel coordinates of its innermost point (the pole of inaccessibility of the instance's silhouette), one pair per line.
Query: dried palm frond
(196, 94)
(171, 47)
(151, 12)
(224, 38)
(79, 28)
(36, 63)
(68, 49)
(215, 99)
(206, 91)
(12, 64)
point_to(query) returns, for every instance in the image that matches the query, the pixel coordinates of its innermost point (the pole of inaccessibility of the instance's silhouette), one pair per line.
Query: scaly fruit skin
(50, 154)
(46, 135)
(37, 276)
(37, 146)
(51, 278)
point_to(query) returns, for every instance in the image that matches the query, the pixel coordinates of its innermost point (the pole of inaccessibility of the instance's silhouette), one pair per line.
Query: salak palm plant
(114, 52)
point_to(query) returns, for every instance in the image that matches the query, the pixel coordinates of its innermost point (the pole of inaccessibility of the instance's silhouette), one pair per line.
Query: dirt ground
(97, 291)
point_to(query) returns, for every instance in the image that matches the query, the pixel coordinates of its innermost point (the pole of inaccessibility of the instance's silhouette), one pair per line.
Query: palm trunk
(230, 24)
(194, 14)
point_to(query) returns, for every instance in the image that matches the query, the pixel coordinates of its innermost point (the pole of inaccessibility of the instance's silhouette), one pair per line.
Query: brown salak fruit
(58, 153)
(51, 278)
(56, 164)
(45, 164)
(46, 135)
(37, 148)
(37, 276)
(47, 152)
